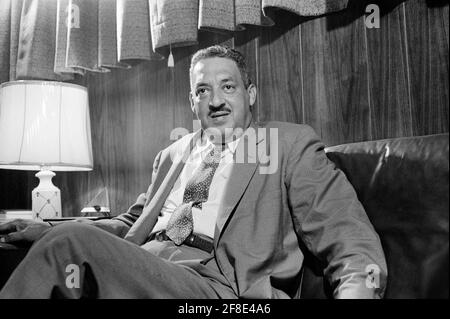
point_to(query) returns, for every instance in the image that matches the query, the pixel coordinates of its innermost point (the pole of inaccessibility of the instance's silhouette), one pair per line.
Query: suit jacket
(283, 196)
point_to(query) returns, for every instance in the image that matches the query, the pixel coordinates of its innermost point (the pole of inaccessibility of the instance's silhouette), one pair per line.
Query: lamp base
(46, 197)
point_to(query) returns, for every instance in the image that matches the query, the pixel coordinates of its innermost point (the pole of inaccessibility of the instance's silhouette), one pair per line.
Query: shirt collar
(204, 143)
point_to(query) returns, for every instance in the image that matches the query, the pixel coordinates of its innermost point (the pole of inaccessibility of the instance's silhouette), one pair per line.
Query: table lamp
(45, 126)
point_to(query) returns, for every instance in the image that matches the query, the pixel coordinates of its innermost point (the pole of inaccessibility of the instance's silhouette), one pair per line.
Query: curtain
(307, 7)
(56, 39)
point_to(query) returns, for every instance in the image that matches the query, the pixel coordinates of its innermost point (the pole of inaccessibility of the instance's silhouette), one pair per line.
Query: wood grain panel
(427, 43)
(280, 94)
(117, 102)
(388, 77)
(247, 42)
(77, 188)
(335, 77)
(149, 123)
(183, 115)
(445, 18)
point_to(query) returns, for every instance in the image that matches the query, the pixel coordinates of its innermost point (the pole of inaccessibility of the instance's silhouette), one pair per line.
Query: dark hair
(218, 51)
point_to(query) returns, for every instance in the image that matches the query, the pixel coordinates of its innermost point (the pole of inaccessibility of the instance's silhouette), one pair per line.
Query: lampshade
(44, 124)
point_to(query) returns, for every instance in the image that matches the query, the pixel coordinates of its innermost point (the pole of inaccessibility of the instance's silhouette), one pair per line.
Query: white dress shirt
(204, 218)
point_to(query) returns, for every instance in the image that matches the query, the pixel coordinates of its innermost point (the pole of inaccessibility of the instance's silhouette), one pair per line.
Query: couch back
(403, 185)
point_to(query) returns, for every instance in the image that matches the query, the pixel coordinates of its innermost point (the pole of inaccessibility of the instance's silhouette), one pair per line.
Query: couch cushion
(403, 185)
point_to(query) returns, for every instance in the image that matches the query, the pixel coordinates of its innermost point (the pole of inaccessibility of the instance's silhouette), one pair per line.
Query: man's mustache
(223, 108)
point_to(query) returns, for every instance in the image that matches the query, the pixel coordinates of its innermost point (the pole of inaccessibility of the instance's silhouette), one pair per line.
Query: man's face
(219, 98)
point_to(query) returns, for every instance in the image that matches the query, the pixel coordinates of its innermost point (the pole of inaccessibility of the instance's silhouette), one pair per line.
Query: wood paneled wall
(350, 83)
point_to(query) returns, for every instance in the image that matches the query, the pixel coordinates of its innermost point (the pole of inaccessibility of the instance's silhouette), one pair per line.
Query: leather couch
(403, 184)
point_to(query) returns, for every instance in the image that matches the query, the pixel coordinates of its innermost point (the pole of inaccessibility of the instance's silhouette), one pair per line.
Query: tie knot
(220, 147)
(214, 155)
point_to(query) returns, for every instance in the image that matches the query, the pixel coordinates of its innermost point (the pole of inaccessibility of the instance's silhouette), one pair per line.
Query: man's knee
(70, 231)
(68, 242)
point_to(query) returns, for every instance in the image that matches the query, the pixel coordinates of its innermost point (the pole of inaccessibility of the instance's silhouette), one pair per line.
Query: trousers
(107, 266)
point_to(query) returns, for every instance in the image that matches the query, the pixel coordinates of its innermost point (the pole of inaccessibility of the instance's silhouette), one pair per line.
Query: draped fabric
(307, 7)
(55, 39)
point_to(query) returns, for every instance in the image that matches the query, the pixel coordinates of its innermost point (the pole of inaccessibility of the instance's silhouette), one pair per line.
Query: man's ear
(251, 90)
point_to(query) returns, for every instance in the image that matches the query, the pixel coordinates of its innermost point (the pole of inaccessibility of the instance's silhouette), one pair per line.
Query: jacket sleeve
(120, 224)
(332, 222)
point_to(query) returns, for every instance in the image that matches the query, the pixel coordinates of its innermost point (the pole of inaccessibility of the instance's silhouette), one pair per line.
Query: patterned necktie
(181, 223)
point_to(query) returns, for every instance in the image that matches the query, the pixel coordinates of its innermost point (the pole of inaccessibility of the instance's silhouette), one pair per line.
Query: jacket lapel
(140, 230)
(246, 162)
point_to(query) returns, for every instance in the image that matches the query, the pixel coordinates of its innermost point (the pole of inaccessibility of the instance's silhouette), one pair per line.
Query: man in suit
(228, 213)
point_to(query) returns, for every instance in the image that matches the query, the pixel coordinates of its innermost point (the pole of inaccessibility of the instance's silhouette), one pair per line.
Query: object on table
(15, 213)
